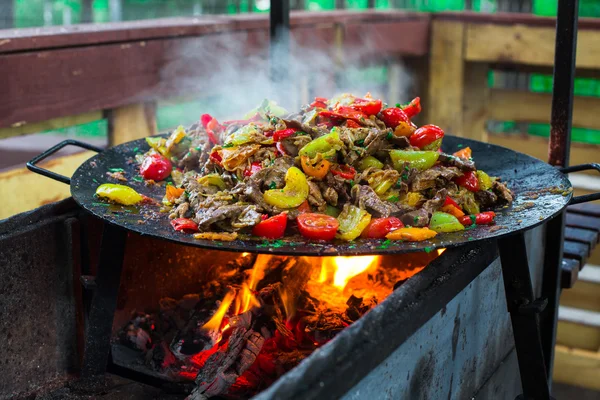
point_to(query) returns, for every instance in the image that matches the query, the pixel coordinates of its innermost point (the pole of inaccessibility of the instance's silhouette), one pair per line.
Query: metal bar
(524, 309)
(564, 76)
(104, 302)
(280, 40)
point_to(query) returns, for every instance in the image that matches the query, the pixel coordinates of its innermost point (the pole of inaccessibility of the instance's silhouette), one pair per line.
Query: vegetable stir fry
(341, 168)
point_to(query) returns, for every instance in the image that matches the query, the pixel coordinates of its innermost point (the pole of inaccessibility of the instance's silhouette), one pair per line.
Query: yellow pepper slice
(119, 194)
(485, 182)
(383, 187)
(212, 179)
(317, 170)
(176, 137)
(159, 144)
(405, 129)
(293, 194)
(224, 236)
(413, 199)
(173, 193)
(411, 234)
(353, 221)
(369, 162)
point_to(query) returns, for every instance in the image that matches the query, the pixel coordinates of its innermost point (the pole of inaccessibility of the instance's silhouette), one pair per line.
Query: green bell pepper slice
(353, 221)
(420, 160)
(323, 144)
(369, 162)
(469, 204)
(293, 194)
(332, 211)
(212, 179)
(442, 222)
(485, 182)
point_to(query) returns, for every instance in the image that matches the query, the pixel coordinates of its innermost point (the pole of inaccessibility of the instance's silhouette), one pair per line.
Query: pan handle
(31, 165)
(582, 167)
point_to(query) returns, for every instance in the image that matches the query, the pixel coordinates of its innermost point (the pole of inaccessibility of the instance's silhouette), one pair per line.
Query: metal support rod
(280, 40)
(524, 309)
(564, 76)
(104, 301)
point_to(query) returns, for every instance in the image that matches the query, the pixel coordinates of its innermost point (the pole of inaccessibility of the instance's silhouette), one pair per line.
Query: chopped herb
(278, 243)
(393, 199)
(428, 249)
(101, 204)
(399, 182)
(272, 185)
(352, 246)
(473, 218)
(138, 179)
(95, 181)
(398, 105)
(404, 177)
(116, 170)
(459, 145)
(135, 149)
(219, 243)
(361, 142)
(199, 148)
(227, 145)
(351, 182)
(406, 168)
(385, 244)
(187, 194)
(389, 136)
(298, 133)
(416, 219)
(470, 238)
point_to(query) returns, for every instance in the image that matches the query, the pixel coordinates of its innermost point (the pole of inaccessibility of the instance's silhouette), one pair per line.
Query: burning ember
(260, 317)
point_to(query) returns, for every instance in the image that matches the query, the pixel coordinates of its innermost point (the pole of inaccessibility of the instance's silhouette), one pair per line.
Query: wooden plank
(509, 18)
(584, 295)
(577, 367)
(582, 221)
(507, 105)
(475, 101)
(16, 185)
(581, 235)
(521, 44)
(381, 39)
(576, 250)
(580, 336)
(586, 209)
(446, 76)
(56, 123)
(569, 271)
(131, 122)
(538, 147)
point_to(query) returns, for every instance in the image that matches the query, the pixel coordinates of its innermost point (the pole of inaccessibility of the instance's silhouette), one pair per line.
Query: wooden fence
(58, 77)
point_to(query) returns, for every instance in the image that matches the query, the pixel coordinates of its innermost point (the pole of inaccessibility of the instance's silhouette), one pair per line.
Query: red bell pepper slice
(425, 135)
(253, 168)
(317, 226)
(211, 125)
(320, 102)
(484, 218)
(184, 225)
(343, 170)
(271, 228)
(343, 113)
(469, 181)
(379, 227)
(352, 124)
(451, 202)
(284, 133)
(367, 106)
(281, 149)
(215, 157)
(392, 117)
(255, 118)
(413, 108)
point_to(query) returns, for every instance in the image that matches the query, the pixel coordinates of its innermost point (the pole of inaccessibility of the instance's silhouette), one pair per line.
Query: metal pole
(564, 76)
(280, 40)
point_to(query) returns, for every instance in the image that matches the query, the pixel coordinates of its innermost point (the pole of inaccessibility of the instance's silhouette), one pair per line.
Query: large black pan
(541, 190)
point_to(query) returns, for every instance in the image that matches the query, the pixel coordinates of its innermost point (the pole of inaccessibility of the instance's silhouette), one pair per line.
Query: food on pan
(342, 168)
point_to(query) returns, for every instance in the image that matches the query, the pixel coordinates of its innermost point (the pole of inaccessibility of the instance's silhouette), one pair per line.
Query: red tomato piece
(352, 124)
(184, 225)
(367, 106)
(413, 108)
(317, 226)
(284, 133)
(304, 207)
(205, 119)
(271, 228)
(320, 102)
(379, 227)
(484, 218)
(392, 117)
(425, 135)
(253, 168)
(343, 170)
(469, 181)
(156, 167)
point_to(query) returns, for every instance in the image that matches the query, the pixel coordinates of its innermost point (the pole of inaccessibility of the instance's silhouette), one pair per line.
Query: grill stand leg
(524, 310)
(104, 301)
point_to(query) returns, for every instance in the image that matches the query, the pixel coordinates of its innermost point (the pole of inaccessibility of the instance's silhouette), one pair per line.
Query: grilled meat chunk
(205, 217)
(366, 198)
(417, 218)
(247, 218)
(315, 198)
(486, 199)
(435, 203)
(329, 194)
(435, 176)
(504, 194)
(460, 163)
(338, 184)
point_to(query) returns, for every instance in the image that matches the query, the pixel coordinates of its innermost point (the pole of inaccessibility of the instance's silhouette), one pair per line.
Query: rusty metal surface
(541, 192)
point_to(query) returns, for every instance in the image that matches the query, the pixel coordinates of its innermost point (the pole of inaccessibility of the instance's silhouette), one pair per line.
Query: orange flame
(245, 300)
(342, 269)
(440, 251)
(288, 303)
(214, 323)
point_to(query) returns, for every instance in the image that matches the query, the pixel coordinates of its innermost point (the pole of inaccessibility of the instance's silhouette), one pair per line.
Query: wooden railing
(58, 77)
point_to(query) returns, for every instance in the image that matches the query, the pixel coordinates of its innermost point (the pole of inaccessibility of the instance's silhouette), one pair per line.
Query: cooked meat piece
(204, 153)
(315, 198)
(504, 193)
(460, 163)
(180, 211)
(366, 198)
(265, 153)
(486, 198)
(301, 140)
(248, 217)
(291, 145)
(329, 194)
(377, 141)
(417, 218)
(430, 177)
(435, 203)
(338, 184)
(400, 142)
(276, 172)
(205, 217)
(253, 193)
(190, 160)
(380, 176)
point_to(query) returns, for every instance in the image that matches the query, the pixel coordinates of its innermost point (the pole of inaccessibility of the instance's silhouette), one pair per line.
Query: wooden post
(131, 122)
(446, 76)
(475, 101)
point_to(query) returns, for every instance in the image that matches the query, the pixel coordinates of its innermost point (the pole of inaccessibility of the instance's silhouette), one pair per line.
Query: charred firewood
(357, 307)
(136, 334)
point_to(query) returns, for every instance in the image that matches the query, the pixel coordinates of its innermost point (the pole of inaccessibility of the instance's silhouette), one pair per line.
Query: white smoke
(235, 67)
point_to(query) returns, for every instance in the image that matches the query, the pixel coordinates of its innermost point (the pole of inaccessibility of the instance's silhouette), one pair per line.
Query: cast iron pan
(541, 190)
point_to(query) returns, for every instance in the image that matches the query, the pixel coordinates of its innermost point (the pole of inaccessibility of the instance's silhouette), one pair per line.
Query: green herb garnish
(272, 185)
(138, 179)
(135, 149)
(428, 249)
(393, 199)
(227, 145)
(389, 136)
(351, 182)
(116, 170)
(361, 142)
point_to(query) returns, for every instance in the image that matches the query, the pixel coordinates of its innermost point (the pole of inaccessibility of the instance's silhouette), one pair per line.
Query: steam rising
(235, 67)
